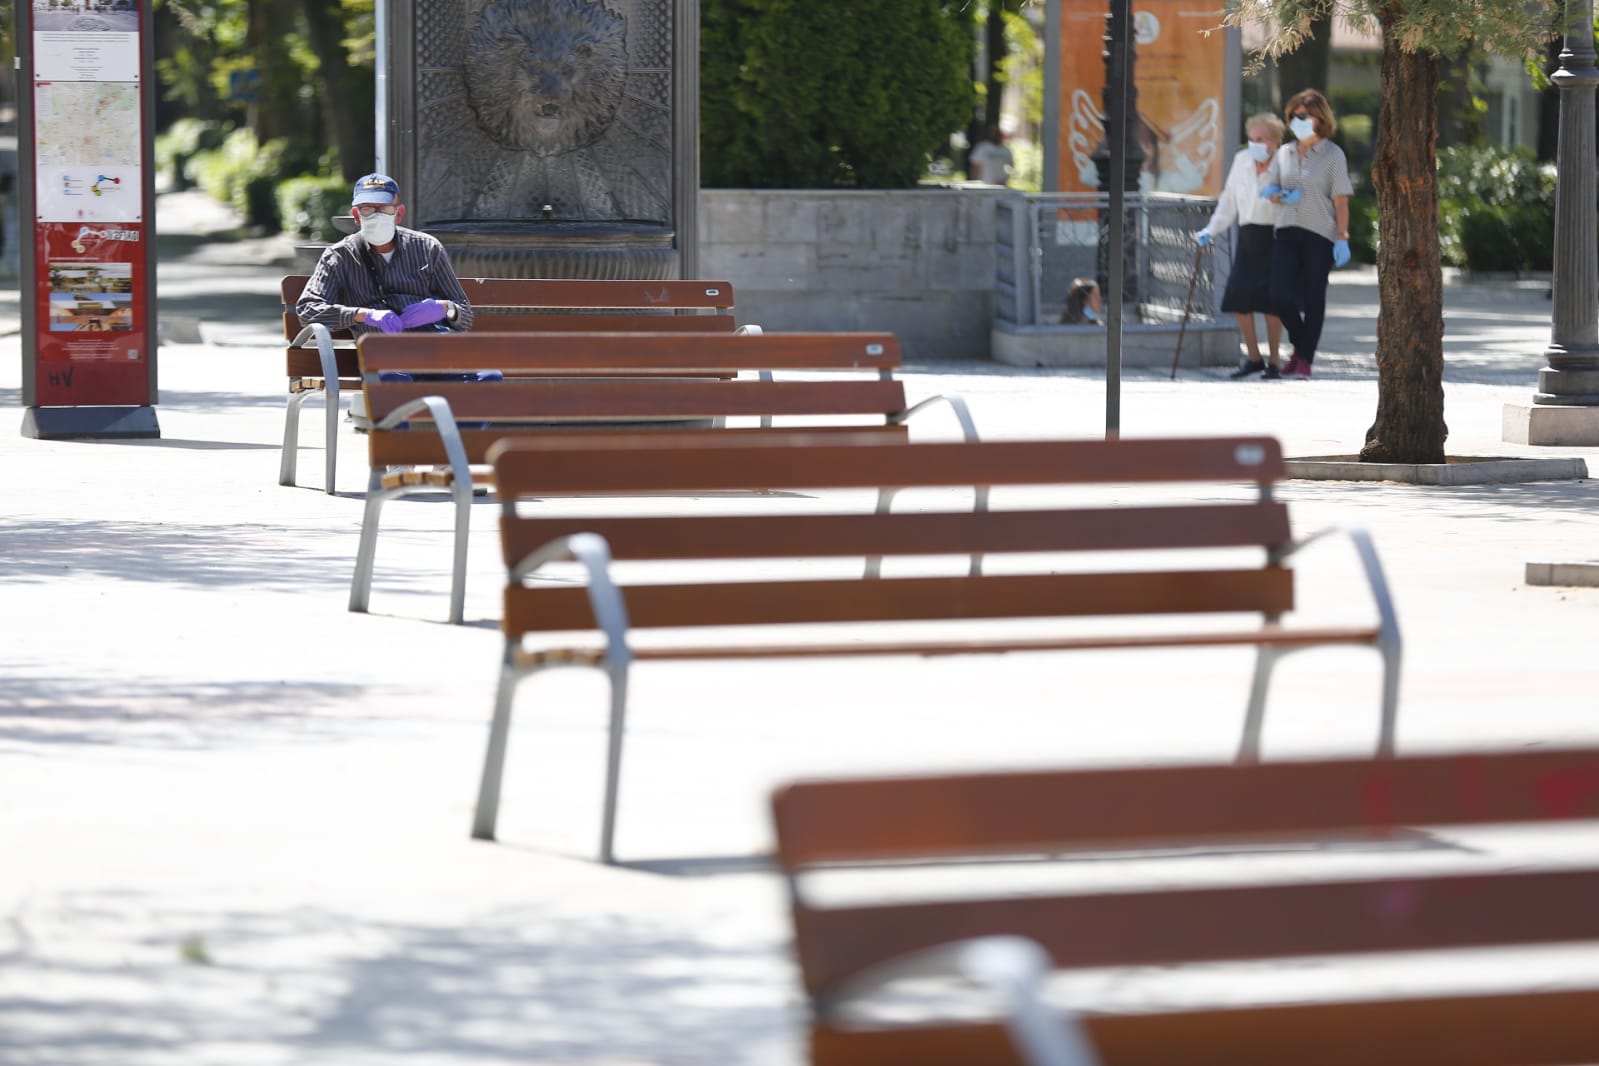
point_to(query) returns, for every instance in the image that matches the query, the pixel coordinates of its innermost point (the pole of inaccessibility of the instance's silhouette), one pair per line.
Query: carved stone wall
(543, 134)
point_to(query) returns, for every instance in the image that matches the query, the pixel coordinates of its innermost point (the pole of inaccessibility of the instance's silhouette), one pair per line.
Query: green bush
(830, 93)
(1363, 226)
(245, 174)
(176, 145)
(1496, 209)
(307, 205)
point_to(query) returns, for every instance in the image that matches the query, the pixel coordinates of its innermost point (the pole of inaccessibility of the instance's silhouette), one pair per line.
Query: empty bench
(1009, 942)
(323, 361)
(619, 382)
(616, 618)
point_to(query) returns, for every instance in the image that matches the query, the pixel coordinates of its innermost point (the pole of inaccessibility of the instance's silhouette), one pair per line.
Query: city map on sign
(86, 124)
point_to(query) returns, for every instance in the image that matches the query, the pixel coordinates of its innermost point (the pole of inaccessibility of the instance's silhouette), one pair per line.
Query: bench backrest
(921, 820)
(510, 305)
(622, 378)
(530, 469)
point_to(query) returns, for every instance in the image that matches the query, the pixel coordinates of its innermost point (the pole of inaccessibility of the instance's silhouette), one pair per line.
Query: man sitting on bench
(384, 278)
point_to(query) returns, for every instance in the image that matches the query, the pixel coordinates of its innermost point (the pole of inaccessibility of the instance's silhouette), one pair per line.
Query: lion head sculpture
(546, 76)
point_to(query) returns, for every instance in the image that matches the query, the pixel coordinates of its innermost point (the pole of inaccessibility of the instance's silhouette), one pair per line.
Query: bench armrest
(1387, 619)
(593, 553)
(750, 330)
(324, 350)
(1014, 969)
(956, 403)
(444, 422)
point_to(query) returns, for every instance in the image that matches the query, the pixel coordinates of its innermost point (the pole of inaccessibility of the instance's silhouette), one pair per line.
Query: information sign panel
(85, 137)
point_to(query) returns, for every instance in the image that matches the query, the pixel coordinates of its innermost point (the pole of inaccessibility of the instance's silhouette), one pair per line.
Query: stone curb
(1465, 470)
(1585, 574)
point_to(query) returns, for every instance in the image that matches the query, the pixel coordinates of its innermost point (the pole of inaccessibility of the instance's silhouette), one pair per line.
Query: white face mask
(1304, 128)
(1258, 151)
(377, 229)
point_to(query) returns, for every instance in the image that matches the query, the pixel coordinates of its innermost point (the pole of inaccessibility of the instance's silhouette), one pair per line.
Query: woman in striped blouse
(1309, 180)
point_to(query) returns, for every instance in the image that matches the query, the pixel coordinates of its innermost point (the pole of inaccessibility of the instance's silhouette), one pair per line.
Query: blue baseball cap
(376, 189)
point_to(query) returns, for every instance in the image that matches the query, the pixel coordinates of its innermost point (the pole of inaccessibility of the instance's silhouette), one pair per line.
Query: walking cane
(1188, 308)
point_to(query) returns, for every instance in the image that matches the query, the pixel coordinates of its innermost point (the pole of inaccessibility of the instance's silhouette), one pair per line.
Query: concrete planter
(916, 262)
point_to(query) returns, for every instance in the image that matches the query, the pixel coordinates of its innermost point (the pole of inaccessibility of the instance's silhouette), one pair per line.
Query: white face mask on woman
(1304, 128)
(1259, 151)
(377, 229)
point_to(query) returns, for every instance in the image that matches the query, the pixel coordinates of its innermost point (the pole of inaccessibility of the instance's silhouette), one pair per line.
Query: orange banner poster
(1180, 74)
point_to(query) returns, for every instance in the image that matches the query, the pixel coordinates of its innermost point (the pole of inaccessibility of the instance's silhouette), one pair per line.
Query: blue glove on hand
(423, 313)
(1340, 253)
(1291, 196)
(1269, 191)
(1202, 238)
(387, 321)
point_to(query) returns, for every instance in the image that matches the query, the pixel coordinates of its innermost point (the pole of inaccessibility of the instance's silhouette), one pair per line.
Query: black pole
(1118, 121)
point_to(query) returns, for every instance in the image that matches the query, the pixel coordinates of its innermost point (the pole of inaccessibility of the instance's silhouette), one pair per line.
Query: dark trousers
(1300, 263)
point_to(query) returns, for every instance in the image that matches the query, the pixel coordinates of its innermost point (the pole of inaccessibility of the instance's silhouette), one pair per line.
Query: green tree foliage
(830, 93)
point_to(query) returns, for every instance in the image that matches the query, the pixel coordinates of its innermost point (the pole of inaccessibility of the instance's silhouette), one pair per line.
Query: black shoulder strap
(369, 258)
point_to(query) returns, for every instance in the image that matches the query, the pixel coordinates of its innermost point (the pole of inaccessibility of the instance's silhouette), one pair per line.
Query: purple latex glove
(387, 321)
(423, 313)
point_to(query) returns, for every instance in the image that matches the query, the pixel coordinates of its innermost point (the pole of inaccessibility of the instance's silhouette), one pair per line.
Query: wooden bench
(621, 617)
(323, 361)
(626, 382)
(988, 933)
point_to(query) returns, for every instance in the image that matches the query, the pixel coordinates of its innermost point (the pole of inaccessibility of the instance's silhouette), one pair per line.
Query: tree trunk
(1410, 322)
(277, 111)
(994, 39)
(347, 92)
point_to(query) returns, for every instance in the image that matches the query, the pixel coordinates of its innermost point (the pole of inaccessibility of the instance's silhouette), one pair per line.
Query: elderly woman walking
(1309, 181)
(1249, 285)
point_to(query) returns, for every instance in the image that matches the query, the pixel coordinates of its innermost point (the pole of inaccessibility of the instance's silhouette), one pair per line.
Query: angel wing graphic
(1175, 161)
(1086, 130)
(1190, 149)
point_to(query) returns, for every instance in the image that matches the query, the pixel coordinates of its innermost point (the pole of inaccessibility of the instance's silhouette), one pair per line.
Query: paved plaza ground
(233, 816)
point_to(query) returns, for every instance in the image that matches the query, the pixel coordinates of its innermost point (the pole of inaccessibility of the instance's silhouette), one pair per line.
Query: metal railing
(1045, 240)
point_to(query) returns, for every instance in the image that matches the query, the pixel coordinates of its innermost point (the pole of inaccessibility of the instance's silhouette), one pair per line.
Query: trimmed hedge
(1496, 209)
(830, 93)
(308, 203)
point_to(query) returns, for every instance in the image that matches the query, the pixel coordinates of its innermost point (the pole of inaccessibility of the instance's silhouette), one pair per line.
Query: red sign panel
(91, 343)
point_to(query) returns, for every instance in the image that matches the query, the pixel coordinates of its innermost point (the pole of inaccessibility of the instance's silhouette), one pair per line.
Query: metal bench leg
(1390, 699)
(291, 439)
(331, 421)
(361, 580)
(462, 494)
(488, 789)
(613, 761)
(1266, 658)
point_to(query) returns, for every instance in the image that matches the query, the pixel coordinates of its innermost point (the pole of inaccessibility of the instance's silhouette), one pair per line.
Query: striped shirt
(418, 268)
(1240, 199)
(1322, 173)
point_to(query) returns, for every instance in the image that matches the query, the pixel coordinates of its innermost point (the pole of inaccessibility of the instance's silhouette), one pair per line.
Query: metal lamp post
(1565, 409)
(1119, 159)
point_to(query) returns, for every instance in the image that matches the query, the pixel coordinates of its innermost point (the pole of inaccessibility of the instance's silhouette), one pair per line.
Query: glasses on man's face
(368, 210)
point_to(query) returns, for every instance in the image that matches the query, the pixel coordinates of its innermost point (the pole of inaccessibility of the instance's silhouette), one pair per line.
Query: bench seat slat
(1479, 1030)
(1130, 807)
(802, 535)
(490, 321)
(1271, 635)
(305, 363)
(586, 400)
(407, 448)
(529, 467)
(1269, 590)
(584, 350)
(1175, 926)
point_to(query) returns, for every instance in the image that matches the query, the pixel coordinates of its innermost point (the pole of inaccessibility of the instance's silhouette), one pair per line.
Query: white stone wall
(916, 262)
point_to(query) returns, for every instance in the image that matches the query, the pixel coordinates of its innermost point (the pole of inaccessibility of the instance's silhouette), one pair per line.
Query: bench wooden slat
(764, 536)
(589, 399)
(401, 449)
(529, 467)
(1130, 807)
(490, 322)
(618, 292)
(1546, 1028)
(532, 610)
(305, 363)
(1174, 926)
(584, 351)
